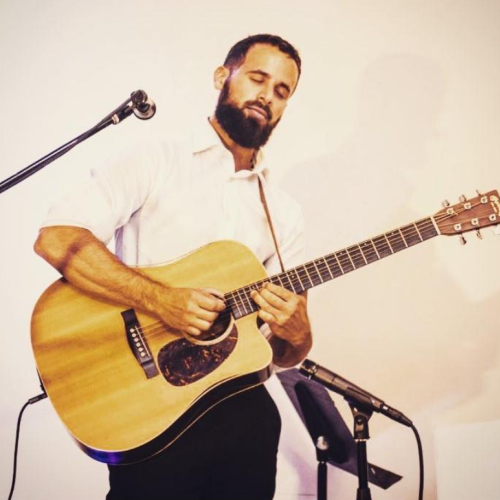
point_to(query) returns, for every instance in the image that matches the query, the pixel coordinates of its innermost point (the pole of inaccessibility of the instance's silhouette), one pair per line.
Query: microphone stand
(361, 435)
(116, 116)
(322, 448)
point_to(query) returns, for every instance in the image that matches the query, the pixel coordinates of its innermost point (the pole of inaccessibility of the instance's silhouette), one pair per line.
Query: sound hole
(181, 362)
(218, 328)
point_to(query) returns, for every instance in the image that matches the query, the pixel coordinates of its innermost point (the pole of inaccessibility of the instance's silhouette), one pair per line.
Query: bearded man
(160, 203)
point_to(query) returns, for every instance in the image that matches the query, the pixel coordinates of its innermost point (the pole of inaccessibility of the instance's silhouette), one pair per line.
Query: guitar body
(100, 390)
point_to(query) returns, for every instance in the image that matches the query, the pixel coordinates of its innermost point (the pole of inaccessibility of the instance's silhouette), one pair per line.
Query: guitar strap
(270, 222)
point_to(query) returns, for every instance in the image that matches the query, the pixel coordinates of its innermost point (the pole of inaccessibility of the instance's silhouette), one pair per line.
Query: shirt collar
(205, 137)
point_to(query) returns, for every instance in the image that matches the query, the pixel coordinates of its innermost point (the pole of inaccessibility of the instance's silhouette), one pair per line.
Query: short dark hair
(238, 51)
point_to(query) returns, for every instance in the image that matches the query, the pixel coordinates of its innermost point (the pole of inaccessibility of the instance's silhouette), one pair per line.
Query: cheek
(278, 110)
(242, 91)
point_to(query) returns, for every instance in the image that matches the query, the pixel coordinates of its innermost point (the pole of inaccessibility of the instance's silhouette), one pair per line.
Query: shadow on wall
(405, 320)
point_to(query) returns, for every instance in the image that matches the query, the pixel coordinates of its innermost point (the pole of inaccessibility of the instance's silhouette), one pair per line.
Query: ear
(221, 74)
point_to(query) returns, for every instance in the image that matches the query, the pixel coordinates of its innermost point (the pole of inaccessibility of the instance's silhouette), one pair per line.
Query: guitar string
(159, 327)
(296, 280)
(342, 256)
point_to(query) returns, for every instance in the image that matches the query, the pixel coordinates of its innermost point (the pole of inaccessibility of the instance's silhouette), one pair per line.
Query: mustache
(257, 104)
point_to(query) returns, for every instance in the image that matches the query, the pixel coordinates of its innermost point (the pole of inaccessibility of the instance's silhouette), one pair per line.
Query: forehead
(267, 58)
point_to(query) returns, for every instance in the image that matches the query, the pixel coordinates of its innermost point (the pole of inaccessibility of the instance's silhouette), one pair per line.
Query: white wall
(397, 109)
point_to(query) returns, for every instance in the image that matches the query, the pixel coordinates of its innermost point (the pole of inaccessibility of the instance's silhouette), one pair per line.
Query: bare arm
(86, 263)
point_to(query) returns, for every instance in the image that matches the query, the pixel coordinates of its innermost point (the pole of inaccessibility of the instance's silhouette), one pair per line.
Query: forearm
(86, 263)
(286, 354)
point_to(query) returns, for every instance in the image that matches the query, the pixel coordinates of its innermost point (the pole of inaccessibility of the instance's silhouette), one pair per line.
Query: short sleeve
(112, 195)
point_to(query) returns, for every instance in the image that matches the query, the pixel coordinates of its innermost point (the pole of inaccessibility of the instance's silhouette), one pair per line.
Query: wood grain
(93, 380)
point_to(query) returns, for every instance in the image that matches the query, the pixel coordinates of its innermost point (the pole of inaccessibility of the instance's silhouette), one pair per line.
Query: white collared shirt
(166, 199)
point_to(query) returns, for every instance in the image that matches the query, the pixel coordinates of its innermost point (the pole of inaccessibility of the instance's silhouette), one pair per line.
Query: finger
(273, 299)
(210, 302)
(263, 303)
(281, 292)
(267, 317)
(206, 315)
(191, 330)
(200, 324)
(214, 291)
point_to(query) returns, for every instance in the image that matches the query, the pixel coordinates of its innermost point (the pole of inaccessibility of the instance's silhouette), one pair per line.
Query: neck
(243, 157)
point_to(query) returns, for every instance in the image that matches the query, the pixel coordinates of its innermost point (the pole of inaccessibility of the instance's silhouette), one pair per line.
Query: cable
(420, 463)
(29, 402)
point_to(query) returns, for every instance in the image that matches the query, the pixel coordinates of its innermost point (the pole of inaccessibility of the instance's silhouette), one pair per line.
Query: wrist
(287, 353)
(150, 294)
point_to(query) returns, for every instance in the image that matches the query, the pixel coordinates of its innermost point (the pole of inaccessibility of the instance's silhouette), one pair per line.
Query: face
(254, 96)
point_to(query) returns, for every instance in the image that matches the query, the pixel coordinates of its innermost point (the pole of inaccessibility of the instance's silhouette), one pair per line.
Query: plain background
(397, 109)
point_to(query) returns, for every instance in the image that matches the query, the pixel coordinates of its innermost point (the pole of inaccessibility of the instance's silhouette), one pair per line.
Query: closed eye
(257, 79)
(282, 94)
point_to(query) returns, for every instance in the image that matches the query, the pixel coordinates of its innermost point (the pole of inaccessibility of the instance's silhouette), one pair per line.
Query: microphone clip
(142, 106)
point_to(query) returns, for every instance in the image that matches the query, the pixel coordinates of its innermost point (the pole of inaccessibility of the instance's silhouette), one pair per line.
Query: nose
(266, 95)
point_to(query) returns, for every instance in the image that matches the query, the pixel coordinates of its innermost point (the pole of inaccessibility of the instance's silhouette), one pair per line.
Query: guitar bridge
(138, 343)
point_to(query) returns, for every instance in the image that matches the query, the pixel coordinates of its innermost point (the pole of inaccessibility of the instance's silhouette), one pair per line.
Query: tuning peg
(478, 234)
(463, 198)
(463, 241)
(478, 193)
(446, 203)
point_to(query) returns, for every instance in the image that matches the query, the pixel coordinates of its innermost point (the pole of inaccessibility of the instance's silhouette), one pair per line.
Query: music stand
(328, 430)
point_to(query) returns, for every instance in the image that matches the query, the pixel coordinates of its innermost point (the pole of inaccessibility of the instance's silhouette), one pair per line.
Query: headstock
(469, 215)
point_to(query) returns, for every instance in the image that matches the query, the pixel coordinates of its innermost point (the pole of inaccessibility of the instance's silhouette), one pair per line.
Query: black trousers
(229, 454)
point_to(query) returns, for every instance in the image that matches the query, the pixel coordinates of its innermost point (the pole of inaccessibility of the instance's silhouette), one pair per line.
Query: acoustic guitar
(126, 386)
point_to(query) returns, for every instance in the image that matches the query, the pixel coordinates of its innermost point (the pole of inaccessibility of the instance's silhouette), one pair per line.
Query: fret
(427, 228)
(411, 234)
(308, 275)
(403, 237)
(300, 284)
(383, 246)
(242, 296)
(349, 257)
(395, 240)
(344, 261)
(257, 285)
(362, 254)
(290, 284)
(276, 279)
(323, 265)
(321, 280)
(389, 243)
(246, 290)
(294, 279)
(356, 256)
(303, 277)
(233, 303)
(313, 274)
(370, 252)
(334, 265)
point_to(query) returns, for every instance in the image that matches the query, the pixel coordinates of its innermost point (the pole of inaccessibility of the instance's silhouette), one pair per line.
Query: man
(166, 200)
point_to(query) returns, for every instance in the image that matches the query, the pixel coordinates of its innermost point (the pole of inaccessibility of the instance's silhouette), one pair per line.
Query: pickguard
(181, 362)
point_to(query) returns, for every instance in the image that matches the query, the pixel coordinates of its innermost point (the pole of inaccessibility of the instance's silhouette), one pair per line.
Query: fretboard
(336, 264)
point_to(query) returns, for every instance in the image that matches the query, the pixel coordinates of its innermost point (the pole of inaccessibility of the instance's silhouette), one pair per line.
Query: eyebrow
(267, 75)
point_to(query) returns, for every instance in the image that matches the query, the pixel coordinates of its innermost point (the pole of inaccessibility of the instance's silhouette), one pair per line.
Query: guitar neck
(336, 264)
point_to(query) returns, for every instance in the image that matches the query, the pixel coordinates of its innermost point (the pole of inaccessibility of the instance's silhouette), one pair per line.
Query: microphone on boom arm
(142, 106)
(351, 392)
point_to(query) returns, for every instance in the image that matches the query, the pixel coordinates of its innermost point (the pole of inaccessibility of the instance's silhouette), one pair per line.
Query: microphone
(351, 392)
(143, 107)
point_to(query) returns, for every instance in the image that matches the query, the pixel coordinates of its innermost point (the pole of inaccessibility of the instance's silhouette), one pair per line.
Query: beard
(245, 131)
